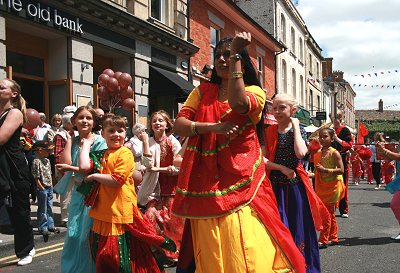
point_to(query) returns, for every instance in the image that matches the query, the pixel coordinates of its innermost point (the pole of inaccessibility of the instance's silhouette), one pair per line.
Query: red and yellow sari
(223, 190)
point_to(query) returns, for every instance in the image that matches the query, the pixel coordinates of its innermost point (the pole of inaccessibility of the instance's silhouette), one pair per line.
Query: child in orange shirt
(114, 202)
(387, 170)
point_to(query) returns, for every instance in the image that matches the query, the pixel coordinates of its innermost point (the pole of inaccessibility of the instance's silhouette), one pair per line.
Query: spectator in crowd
(343, 142)
(15, 177)
(42, 129)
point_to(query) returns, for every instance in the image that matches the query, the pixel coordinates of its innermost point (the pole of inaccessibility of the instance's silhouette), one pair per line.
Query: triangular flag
(359, 85)
(362, 76)
(394, 86)
(376, 74)
(395, 71)
(369, 75)
(382, 72)
(382, 86)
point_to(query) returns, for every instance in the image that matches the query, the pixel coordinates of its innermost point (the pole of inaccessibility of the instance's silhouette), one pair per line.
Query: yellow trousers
(236, 243)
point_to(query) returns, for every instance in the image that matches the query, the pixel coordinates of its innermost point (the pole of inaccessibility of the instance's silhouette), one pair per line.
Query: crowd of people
(227, 195)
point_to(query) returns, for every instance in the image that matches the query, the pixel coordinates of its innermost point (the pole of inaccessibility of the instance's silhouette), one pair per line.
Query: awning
(171, 82)
(269, 119)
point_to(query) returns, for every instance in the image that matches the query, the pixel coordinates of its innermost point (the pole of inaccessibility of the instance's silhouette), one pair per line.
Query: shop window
(25, 64)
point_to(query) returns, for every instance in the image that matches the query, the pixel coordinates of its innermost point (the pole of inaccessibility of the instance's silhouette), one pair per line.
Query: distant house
(380, 120)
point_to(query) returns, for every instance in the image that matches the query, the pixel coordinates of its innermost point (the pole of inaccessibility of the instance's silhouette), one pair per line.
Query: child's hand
(63, 167)
(290, 174)
(143, 136)
(88, 178)
(295, 122)
(86, 142)
(320, 168)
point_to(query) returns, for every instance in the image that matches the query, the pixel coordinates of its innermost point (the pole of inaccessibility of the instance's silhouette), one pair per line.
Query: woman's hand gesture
(240, 41)
(225, 128)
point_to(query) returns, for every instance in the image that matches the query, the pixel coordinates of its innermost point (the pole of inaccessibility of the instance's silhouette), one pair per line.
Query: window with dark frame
(215, 35)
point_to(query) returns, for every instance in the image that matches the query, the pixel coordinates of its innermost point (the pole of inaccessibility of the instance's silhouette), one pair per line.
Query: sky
(363, 38)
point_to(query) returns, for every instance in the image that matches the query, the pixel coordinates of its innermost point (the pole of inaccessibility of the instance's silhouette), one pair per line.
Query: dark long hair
(249, 74)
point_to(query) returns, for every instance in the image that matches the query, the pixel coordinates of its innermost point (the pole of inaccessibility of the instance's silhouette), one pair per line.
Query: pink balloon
(103, 79)
(126, 93)
(32, 118)
(112, 85)
(109, 72)
(117, 74)
(128, 104)
(124, 80)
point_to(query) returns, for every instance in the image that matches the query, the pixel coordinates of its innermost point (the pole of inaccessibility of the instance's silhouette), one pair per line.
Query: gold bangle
(236, 75)
(193, 128)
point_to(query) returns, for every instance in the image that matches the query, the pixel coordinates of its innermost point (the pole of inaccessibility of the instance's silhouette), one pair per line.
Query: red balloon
(117, 74)
(102, 92)
(103, 79)
(124, 80)
(128, 104)
(32, 118)
(126, 93)
(109, 72)
(112, 85)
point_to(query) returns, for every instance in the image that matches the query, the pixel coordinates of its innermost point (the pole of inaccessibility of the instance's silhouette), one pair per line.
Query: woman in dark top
(15, 177)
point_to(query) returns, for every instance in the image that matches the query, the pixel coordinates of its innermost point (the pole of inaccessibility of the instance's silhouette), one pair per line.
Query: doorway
(33, 93)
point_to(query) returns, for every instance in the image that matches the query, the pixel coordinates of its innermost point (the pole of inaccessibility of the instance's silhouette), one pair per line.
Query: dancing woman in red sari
(222, 188)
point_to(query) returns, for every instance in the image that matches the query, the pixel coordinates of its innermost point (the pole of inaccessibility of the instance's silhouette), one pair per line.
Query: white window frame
(284, 76)
(213, 44)
(163, 10)
(283, 28)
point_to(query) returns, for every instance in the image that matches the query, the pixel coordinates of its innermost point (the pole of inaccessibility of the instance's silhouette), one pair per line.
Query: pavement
(7, 240)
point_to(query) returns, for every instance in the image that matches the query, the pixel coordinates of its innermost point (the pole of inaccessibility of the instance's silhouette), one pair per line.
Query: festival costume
(344, 134)
(157, 191)
(356, 166)
(120, 239)
(222, 188)
(330, 189)
(387, 170)
(299, 207)
(76, 255)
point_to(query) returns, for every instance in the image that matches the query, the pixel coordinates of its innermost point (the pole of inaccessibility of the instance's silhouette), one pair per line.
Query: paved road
(364, 247)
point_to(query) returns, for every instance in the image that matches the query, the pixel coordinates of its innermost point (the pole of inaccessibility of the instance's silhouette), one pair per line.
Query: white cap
(69, 109)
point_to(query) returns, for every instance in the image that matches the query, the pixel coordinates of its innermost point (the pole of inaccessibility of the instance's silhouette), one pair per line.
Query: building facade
(57, 49)
(314, 88)
(342, 94)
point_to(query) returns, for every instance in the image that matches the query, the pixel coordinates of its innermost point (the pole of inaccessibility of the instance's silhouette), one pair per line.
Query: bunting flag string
(371, 74)
(392, 86)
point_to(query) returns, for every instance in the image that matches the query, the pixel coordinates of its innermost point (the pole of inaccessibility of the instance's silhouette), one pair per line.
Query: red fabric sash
(318, 209)
(218, 174)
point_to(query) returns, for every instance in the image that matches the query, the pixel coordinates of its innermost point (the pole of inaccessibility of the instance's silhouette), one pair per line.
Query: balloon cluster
(114, 90)
(32, 119)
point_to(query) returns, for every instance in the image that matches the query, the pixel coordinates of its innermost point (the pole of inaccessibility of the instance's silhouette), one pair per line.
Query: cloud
(362, 37)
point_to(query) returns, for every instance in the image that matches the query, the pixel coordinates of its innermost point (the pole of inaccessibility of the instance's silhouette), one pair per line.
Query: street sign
(320, 115)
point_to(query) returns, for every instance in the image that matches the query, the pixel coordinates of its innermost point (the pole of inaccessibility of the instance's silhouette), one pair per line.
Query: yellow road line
(36, 255)
(37, 250)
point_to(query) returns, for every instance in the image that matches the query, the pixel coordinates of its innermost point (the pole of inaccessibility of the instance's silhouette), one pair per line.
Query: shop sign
(320, 115)
(40, 13)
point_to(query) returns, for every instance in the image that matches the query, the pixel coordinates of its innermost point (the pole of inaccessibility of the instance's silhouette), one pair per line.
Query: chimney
(327, 67)
(380, 106)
